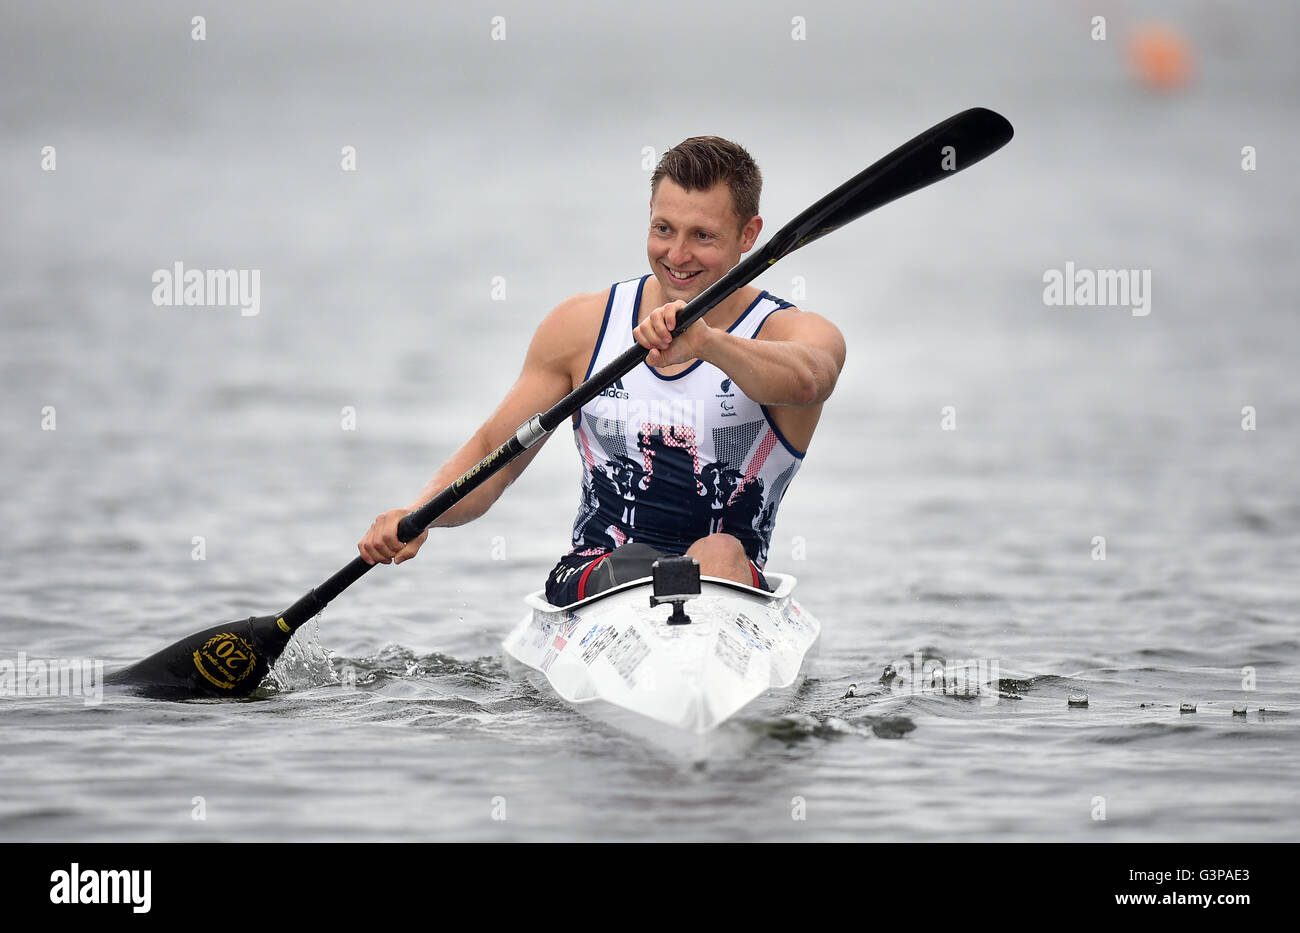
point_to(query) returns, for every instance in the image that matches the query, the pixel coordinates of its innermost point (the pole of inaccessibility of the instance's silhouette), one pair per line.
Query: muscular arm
(792, 367)
(543, 381)
(795, 361)
(547, 376)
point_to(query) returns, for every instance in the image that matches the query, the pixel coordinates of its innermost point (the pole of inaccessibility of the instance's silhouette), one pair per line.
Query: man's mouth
(681, 278)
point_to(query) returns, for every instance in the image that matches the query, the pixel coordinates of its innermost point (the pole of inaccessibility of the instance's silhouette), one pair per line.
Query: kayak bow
(622, 661)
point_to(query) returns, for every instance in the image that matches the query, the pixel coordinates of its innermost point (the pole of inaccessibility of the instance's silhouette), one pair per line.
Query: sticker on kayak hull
(598, 645)
(733, 652)
(569, 624)
(627, 654)
(753, 634)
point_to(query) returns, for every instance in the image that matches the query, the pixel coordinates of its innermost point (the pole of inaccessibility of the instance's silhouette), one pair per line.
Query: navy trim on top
(779, 436)
(636, 305)
(609, 306)
(690, 369)
(764, 321)
(781, 305)
(600, 338)
(767, 414)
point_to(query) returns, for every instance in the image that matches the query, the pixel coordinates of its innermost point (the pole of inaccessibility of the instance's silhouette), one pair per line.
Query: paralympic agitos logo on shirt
(728, 408)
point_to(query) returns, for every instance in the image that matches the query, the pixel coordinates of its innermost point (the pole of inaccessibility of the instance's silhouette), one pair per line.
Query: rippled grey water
(523, 159)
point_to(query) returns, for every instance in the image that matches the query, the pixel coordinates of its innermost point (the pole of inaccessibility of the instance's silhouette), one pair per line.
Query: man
(692, 451)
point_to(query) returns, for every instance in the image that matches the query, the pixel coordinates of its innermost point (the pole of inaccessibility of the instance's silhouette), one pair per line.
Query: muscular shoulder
(566, 337)
(576, 311)
(799, 326)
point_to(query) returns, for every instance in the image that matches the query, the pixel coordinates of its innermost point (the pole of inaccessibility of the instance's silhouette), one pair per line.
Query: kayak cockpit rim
(783, 586)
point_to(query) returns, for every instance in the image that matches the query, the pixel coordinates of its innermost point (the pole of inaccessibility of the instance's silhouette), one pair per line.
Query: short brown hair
(699, 163)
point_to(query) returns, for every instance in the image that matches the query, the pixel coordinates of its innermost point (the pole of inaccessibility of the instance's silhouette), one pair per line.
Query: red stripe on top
(754, 573)
(586, 450)
(760, 455)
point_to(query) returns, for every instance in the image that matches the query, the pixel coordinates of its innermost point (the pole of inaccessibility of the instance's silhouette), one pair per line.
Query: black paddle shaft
(231, 660)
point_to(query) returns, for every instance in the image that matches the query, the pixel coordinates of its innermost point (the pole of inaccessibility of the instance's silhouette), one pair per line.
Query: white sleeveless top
(667, 460)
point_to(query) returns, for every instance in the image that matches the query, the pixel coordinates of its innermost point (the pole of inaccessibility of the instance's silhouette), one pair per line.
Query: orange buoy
(1161, 58)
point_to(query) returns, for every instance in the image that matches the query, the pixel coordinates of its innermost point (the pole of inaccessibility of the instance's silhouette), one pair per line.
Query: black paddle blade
(228, 661)
(944, 149)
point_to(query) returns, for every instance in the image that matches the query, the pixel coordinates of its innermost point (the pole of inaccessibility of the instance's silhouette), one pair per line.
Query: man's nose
(679, 254)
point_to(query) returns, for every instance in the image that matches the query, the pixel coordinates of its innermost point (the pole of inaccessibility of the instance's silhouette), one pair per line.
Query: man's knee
(719, 551)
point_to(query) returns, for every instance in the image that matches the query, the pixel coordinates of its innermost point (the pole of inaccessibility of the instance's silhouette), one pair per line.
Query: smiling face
(695, 237)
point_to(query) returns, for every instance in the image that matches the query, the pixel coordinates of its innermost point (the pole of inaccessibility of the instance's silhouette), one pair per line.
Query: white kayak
(742, 655)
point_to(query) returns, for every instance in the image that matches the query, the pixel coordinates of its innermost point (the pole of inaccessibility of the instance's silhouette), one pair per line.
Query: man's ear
(749, 233)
